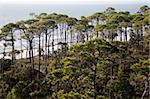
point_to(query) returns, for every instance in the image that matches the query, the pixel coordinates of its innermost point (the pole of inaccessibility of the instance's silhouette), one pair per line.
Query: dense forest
(101, 56)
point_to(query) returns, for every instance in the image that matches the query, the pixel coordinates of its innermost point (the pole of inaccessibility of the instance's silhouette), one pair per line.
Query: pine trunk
(13, 49)
(46, 52)
(39, 68)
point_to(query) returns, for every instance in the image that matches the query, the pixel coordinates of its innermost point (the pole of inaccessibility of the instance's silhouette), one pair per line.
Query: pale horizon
(74, 1)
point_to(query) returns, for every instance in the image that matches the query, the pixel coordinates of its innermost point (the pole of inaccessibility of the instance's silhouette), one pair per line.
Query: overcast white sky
(12, 10)
(74, 1)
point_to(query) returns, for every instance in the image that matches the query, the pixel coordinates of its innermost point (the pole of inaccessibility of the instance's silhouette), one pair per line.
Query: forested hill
(88, 63)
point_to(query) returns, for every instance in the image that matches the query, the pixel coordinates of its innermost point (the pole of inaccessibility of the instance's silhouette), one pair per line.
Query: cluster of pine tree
(102, 56)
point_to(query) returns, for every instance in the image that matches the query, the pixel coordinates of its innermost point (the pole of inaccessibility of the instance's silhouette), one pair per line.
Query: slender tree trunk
(27, 52)
(61, 33)
(112, 36)
(13, 49)
(52, 44)
(4, 53)
(91, 34)
(49, 44)
(1, 65)
(39, 55)
(87, 36)
(77, 38)
(65, 34)
(71, 38)
(21, 50)
(46, 51)
(103, 35)
(32, 53)
(121, 36)
(30, 58)
(57, 38)
(97, 34)
(142, 38)
(43, 46)
(3, 57)
(125, 34)
(138, 37)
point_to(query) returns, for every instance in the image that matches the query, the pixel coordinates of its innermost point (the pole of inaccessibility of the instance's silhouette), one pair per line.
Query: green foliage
(70, 95)
(122, 89)
(100, 67)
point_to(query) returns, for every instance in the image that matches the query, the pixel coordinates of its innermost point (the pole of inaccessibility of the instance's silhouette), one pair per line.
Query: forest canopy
(101, 56)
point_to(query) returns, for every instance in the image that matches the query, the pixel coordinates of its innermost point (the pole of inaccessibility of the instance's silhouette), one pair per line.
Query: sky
(74, 1)
(14, 10)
